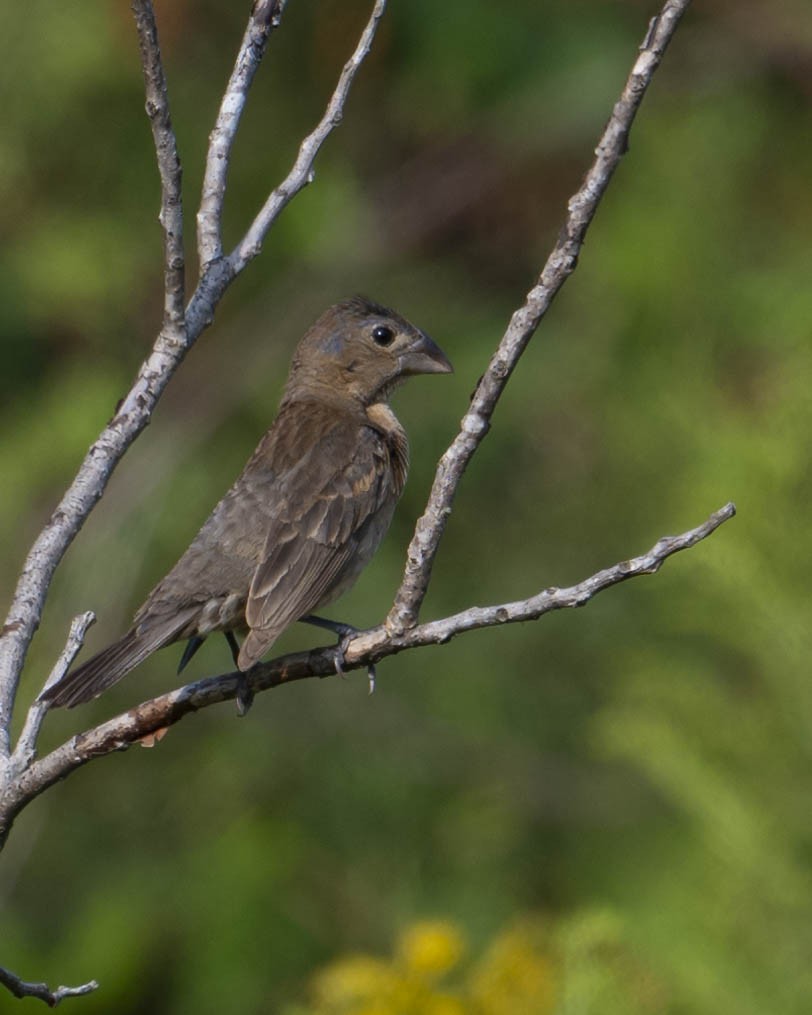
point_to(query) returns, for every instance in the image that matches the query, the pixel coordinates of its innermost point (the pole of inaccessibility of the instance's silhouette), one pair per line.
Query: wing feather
(330, 518)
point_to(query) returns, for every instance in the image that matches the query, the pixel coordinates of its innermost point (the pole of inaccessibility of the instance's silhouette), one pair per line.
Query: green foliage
(638, 771)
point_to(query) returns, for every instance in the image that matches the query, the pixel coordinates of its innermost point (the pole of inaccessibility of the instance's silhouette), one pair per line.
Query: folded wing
(329, 519)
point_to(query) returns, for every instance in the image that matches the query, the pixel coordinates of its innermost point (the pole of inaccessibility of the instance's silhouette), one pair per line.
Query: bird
(305, 515)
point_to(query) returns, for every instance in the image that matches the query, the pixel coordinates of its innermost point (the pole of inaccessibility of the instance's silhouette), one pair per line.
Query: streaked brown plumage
(308, 510)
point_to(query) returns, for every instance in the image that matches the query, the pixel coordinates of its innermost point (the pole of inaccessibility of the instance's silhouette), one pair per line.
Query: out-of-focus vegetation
(530, 968)
(637, 774)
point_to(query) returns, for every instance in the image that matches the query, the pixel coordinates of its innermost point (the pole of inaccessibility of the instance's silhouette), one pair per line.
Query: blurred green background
(621, 794)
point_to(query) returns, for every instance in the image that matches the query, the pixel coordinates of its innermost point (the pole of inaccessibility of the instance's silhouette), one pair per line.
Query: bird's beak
(424, 357)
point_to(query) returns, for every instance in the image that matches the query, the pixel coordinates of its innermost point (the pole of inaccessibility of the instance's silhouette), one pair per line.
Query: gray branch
(302, 172)
(41, 991)
(133, 413)
(265, 17)
(25, 750)
(148, 721)
(559, 266)
(173, 342)
(169, 168)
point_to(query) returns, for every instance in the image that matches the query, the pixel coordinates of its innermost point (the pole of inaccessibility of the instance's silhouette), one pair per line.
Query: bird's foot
(345, 633)
(338, 629)
(234, 645)
(192, 645)
(340, 658)
(245, 694)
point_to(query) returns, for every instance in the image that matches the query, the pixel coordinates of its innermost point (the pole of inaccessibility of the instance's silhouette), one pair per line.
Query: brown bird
(305, 515)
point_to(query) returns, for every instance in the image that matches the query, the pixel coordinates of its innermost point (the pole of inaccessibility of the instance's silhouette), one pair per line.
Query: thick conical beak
(424, 357)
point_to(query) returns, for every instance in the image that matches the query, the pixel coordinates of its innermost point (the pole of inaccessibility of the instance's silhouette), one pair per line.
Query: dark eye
(382, 335)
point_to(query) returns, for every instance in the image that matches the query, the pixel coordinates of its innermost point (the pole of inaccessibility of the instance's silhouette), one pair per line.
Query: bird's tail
(107, 667)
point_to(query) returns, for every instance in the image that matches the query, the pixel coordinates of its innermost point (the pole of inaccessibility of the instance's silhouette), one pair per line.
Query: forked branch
(169, 168)
(265, 17)
(559, 266)
(302, 171)
(20, 988)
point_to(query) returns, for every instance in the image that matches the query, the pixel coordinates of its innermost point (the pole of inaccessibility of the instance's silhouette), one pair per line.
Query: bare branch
(155, 716)
(76, 504)
(133, 413)
(19, 988)
(438, 632)
(26, 745)
(524, 322)
(302, 172)
(166, 148)
(265, 17)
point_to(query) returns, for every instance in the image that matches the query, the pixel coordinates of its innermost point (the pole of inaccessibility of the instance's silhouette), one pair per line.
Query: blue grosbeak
(307, 512)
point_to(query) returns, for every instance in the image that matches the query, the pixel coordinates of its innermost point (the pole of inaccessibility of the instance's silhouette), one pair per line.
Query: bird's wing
(330, 514)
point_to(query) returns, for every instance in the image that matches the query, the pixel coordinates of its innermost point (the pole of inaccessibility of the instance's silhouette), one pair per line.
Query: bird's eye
(382, 335)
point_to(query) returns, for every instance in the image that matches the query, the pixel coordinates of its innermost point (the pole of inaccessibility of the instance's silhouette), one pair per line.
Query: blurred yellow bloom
(431, 948)
(516, 975)
(444, 1004)
(348, 982)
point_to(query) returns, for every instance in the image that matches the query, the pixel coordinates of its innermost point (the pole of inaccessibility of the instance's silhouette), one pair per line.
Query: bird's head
(360, 350)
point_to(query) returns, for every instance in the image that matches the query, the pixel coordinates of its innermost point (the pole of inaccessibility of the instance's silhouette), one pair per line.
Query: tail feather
(109, 666)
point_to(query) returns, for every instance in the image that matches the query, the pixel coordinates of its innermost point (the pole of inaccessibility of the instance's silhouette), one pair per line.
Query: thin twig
(41, 991)
(524, 322)
(169, 167)
(302, 172)
(154, 716)
(25, 750)
(265, 17)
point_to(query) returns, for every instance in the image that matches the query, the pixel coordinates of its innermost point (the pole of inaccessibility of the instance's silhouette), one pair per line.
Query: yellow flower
(444, 1004)
(348, 982)
(516, 975)
(431, 948)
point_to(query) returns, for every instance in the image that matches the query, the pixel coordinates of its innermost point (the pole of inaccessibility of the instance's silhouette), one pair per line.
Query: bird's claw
(340, 657)
(244, 696)
(192, 645)
(339, 661)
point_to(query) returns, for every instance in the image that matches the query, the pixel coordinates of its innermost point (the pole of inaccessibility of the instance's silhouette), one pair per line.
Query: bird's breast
(383, 419)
